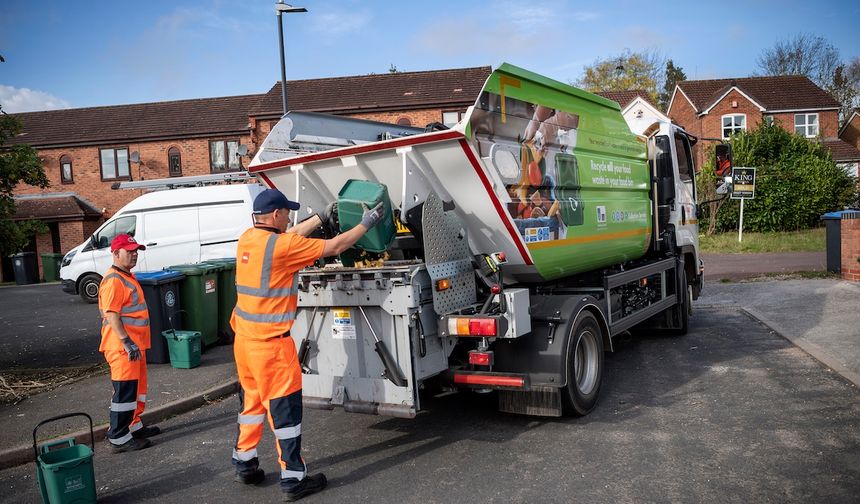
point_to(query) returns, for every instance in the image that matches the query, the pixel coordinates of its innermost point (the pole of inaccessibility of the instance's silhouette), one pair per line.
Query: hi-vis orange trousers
(129, 394)
(271, 386)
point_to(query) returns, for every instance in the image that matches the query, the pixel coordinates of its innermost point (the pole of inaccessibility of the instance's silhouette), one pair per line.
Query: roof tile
(781, 92)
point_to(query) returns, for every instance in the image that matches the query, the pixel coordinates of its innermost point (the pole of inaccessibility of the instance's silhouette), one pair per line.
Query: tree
(673, 76)
(18, 164)
(818, 59)
(796, 182)
(627, 71)
(845, 88)
(804, 54)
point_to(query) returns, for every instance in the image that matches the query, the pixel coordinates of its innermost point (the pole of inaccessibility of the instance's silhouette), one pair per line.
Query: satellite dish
(135, 157)
(243, 150)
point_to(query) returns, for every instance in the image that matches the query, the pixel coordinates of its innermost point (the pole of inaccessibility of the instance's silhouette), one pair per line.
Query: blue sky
(62, 54)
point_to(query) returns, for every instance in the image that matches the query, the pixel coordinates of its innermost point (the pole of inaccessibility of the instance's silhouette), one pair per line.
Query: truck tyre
(681, 313)
(89, 288)
(584, 366)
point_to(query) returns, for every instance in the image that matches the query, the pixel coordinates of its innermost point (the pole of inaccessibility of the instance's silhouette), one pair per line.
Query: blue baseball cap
(272, 199)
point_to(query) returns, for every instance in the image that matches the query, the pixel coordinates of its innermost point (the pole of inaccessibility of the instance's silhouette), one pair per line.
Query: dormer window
(806, 125)
(66, 174)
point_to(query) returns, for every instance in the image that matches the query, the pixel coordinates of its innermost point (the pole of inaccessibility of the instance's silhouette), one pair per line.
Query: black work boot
(146, 432)
(132, 444)
(305, 487)
(251, 477)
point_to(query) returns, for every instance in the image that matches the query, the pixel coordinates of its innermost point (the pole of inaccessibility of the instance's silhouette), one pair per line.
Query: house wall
(850, 234)
(683, 113)
(828, 122)
(88, 184)
(851, 133)
(418, 118)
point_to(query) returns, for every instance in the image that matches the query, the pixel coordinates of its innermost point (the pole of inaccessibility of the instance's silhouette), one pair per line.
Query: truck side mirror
(723, 162)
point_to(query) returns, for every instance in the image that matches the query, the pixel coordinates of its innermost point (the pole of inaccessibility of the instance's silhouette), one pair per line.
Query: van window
(116, 227)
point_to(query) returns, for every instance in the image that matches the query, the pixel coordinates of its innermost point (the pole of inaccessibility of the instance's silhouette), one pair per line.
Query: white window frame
(459, 113)
(806, 128)
(735, 127)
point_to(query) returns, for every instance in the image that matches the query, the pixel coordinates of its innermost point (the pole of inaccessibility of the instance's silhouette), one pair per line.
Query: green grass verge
(808, 240)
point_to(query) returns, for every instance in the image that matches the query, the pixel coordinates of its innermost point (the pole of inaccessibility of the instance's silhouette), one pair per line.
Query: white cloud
(333, 24)
(28, 100)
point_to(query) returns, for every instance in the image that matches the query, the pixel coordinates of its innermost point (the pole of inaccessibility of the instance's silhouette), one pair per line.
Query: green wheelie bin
(226, 297)
(51, 266)
(199, 293)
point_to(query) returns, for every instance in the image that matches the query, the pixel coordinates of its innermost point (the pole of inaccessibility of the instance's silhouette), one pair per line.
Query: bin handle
(45, 448)
(60, 417)
(170, 319)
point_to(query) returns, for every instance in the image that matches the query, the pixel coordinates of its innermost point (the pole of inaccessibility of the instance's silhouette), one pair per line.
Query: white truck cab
(177, 226)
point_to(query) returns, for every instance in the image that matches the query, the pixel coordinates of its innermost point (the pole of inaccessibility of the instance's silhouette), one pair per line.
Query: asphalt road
(732, 412)
(41, 327)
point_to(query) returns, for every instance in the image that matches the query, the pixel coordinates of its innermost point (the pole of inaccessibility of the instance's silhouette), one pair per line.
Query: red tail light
(477, 358)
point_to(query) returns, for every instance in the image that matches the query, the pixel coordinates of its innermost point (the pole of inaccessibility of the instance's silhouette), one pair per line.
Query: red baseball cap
(126, 242)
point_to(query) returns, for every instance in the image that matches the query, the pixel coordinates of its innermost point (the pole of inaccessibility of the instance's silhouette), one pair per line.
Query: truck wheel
(584, 366)
(681, 313)
(89, 288)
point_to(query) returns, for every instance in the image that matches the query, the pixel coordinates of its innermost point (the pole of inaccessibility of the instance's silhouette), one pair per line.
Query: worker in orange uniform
(125, 339)
(268, 259)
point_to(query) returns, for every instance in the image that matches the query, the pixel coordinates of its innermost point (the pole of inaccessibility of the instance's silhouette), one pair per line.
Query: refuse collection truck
(524, 239)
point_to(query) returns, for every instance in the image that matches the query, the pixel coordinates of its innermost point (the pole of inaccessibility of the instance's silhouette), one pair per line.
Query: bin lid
(227, 263)
(158, 277)
(838, 215)
(193, 269)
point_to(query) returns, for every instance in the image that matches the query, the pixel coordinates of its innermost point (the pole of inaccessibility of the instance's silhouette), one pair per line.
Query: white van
(178, 226)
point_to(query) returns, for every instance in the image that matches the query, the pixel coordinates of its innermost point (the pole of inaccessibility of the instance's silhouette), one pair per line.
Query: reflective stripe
(134, 321)
(250, 419)
(244, 456)
(265, 317)
(124, 406)
(141, 398)
(289, 432)
(133, 308)
(123, 440)
(299, 475)
(135, 427)
(261, 292)
(264, 290)
(135, 300)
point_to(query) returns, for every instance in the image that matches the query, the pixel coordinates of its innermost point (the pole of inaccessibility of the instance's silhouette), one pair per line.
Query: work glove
(326, 213)
(131, 348)
(371, 217)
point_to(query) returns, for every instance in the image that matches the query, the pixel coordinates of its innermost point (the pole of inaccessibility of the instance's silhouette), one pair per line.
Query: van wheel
(89, 288)
(584, 366)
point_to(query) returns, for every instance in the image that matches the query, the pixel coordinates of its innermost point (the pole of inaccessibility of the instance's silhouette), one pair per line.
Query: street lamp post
(281, 8)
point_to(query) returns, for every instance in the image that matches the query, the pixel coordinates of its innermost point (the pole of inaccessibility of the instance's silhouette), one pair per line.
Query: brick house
(85, 151)
(637, 109)
(849, 135)
(713, 109)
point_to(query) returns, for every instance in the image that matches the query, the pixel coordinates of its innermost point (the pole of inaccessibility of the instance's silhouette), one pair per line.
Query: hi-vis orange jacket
(266, 280)
(119, 292)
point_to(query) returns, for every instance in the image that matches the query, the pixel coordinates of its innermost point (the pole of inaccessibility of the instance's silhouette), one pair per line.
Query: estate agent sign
(743, 183)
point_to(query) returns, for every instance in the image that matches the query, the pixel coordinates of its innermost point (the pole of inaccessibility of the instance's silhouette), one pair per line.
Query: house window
(404, 121)
(66, 175)
(733, 124)
(224, 155)
(451, 118)
(114, 164)
(174, 162)
(768, 120)
(806, 124)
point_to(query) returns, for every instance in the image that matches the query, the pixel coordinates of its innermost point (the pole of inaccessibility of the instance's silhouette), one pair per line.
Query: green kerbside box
(184, 348)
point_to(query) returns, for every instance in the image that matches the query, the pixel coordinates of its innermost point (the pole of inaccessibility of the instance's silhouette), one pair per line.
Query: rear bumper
(70, 287)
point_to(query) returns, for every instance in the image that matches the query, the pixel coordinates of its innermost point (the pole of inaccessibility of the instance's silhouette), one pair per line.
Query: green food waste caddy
(199, 292)
(184, 348)
(352, 196)
(65, 475)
